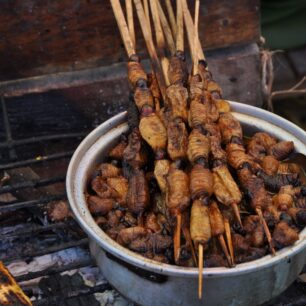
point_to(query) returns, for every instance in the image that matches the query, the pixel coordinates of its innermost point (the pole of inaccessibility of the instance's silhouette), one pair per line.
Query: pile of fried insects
(184, 186)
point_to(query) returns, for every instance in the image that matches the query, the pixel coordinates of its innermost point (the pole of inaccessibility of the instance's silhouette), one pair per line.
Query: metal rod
(42, 139)
(8, 132)
(59, 299)
(32, 184)
(47, 250)
(26, 204)
(36, 160)
(55, 270)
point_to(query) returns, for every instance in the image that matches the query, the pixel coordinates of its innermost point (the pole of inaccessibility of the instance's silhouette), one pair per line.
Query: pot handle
(148, 275)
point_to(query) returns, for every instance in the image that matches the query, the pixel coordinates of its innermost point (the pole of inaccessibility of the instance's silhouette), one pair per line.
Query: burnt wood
(40, 37)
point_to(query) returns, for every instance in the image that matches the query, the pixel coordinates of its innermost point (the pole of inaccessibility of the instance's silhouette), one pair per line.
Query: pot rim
(112, 127)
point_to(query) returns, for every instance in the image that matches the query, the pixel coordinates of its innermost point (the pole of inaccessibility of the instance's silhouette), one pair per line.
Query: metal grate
(34, 234)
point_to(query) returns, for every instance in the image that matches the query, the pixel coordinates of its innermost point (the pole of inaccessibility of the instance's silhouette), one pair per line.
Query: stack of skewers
(184, 186)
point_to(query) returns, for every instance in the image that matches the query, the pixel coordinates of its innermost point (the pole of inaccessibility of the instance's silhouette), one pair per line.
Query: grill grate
(35, 234)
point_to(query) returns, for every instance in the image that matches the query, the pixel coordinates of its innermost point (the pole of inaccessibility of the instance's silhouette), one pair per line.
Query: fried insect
(177, 140)
(97, 205)
(275, 182)
(254, 188)
(177, 98)
(218, 229)
(281, 150)
(120, 185)
(117, 151)
(153, 132)
(138, 192)
(284, 235)
(226, 189)
(133, 154)
(259, 145)
(198, 146)
(200, 229)
(201, 182)
(237, 157)
(270, 165)
(161, 170)
(288, 168)
(102, 189)
(109, 170)
(136, 73)
(298, 214)
(229, 127)
(177, 72)
(178, 195)
(223, 106)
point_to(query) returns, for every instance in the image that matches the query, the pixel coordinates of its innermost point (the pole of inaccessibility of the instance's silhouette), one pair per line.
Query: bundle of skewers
(185, 186)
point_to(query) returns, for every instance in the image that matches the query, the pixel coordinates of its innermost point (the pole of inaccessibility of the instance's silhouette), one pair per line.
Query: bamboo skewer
(197, 54)
(228, 235)
(201, 263)
(166, 28)
(171, 17)
(160, 39)
(266, 229)
(150, 46)
(195, 71)
(225, 250)
(237, 213)
(130, 21)
(177, 237)
(187, 236)
(196, 35)
(180, 26)
(147, 13)
(188, 21)
(190, 31)
(123, 28)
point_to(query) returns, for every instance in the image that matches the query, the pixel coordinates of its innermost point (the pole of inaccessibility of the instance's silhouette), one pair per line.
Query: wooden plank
(236, 69)
(40, 37)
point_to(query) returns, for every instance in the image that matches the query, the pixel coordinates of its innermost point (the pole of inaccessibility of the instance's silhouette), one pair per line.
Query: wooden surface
(39, 37)
(236, 69)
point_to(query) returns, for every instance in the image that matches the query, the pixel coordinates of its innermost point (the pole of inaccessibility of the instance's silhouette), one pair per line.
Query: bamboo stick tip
(225, 250)
(237, 213)
(201, 262)
(266, 230)
(177, 238)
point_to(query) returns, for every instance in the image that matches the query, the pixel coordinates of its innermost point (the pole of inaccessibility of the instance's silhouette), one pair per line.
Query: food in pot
(185, 167)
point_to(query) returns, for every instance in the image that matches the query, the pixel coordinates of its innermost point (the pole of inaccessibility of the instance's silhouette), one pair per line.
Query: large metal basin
(147, 282)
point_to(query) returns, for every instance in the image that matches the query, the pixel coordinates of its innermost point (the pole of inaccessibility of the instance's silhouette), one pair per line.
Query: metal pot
(147, 282)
